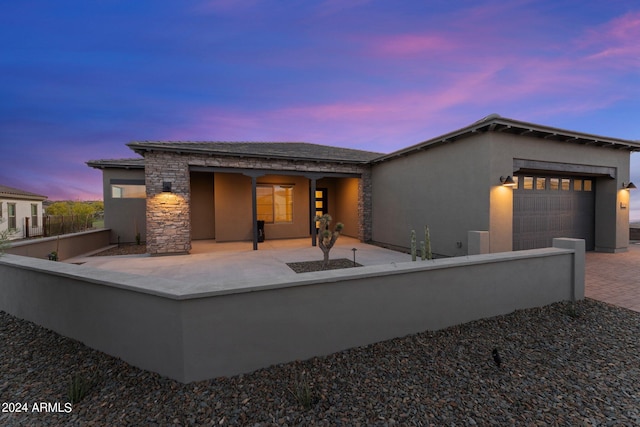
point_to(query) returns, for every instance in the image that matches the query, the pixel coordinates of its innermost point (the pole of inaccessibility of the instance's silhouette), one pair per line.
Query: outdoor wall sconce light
(508, 181)
(166, 187)
(628, 186)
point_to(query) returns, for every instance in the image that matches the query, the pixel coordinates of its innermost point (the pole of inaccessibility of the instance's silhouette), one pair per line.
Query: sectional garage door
(548, 206)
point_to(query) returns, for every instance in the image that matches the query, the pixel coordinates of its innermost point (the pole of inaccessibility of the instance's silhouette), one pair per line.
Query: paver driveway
(614, 278)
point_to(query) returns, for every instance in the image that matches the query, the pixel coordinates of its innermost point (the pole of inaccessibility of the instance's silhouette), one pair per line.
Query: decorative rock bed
(564, 364)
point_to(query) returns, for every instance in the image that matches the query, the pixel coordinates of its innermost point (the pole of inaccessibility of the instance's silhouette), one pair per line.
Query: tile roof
(16, 193)
(281, 150)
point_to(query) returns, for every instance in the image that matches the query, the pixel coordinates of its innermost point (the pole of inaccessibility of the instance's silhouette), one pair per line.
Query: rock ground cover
(334, 264)
(563, 364)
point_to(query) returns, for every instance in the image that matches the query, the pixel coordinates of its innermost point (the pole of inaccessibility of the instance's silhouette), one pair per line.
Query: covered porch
(227, 204)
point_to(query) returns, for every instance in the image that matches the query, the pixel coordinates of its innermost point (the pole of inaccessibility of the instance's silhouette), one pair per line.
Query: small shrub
(4, 241)
(302, 392)
(571, 310)
(79, 386)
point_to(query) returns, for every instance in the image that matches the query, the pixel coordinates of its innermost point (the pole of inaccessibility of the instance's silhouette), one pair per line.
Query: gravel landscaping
(564, 364)
(309, 266)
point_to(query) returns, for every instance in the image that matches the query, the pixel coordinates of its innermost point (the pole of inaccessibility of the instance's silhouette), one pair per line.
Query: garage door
(547, 206)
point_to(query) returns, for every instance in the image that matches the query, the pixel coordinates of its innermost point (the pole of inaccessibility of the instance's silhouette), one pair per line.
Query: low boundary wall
(189, 332)
(66, 245)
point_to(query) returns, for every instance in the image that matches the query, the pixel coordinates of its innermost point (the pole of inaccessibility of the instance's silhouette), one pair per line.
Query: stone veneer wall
(169, 215)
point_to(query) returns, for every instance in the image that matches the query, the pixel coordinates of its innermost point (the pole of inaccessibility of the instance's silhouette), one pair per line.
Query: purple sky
(80, 79)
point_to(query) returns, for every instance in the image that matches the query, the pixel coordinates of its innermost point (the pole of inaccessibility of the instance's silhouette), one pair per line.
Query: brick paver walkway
(614, 278)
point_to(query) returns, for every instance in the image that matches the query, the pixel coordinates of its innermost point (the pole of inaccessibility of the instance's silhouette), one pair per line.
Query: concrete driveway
(614, 278)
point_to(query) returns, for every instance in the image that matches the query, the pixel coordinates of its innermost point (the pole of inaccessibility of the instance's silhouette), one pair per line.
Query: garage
(548, 206)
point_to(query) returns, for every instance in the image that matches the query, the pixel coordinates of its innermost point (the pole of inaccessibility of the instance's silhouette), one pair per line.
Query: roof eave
(141, 150)
(516, 127)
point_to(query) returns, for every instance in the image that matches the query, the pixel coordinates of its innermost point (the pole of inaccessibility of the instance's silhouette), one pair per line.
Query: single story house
(20, 211)
(516, 184)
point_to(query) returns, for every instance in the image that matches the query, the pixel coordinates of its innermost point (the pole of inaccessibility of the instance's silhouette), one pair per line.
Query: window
(587, 185)
(275, 203)
(11, 214)
(577, 185)
(128, 191)
(528, 183)
(554, 183)
(565, 184)
(34, 214)
(540, 183)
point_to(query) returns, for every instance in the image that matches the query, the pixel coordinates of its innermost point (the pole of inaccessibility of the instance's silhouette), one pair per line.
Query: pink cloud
(411, 44)
(616, 42)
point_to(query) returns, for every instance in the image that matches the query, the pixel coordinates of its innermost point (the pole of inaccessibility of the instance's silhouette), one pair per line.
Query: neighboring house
(567, 184)
(20, 212)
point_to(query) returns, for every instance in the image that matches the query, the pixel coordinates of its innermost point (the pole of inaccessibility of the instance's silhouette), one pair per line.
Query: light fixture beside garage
(166, 187)
(628, 186)
(508, 181)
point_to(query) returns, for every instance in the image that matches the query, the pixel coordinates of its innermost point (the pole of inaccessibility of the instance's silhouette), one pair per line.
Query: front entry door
(321, 203)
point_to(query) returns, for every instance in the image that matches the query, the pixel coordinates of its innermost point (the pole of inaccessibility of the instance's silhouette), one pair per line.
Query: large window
(275, 203)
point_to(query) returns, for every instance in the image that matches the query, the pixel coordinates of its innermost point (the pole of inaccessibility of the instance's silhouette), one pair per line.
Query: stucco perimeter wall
(67, 245)
(188, 332)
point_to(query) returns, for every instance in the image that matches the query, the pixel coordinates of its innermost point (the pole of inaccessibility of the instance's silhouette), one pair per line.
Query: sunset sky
(80, 79)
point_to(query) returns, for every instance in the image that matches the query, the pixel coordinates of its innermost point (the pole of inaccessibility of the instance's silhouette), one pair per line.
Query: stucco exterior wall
(455, 188)
(23, 210)
(124, 217)
(202, 206)
(346, 205)
(446, 188)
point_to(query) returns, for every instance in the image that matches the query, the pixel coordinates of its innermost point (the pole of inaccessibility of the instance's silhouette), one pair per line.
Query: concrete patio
(227, 265)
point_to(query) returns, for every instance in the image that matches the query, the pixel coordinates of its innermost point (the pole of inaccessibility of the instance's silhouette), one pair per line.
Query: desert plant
(79, 386)
(427, 243)
(327, 238)
(301, 391)
(4, 241)
(413, 245)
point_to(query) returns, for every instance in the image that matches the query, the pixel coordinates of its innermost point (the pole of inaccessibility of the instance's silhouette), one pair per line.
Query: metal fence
(55, 225)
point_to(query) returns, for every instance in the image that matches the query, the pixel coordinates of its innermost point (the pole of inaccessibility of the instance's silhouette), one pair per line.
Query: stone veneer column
(168, 214)
(365, 206)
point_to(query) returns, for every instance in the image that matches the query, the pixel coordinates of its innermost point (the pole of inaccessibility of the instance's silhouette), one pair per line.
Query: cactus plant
(427, 240)
(327, 238)
(413, 245)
